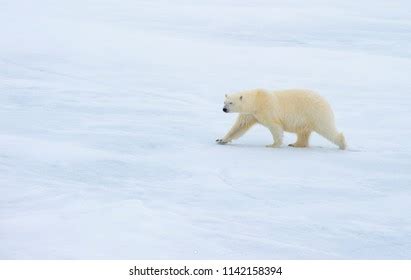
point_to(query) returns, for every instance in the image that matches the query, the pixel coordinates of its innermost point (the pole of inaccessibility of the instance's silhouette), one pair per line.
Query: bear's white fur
(294, 110)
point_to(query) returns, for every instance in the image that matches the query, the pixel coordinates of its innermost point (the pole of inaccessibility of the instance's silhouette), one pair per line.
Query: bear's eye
(231, 103)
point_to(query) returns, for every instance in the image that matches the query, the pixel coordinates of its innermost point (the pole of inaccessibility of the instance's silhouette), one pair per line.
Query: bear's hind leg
(302, 139)
(332, 135)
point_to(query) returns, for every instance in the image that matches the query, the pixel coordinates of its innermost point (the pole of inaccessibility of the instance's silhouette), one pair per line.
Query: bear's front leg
(277, 133)
(221, 141)
(242, 124)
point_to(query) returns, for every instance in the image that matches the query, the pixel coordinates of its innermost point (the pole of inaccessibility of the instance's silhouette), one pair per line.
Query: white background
(109, 111)
(291, 270)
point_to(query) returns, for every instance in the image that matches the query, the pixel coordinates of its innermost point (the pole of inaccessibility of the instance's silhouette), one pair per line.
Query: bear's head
(233, 103)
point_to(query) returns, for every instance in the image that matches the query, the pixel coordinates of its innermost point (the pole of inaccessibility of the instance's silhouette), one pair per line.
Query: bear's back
(300, 107)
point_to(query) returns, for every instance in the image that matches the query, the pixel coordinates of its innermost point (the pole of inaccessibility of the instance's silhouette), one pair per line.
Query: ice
(109, 111)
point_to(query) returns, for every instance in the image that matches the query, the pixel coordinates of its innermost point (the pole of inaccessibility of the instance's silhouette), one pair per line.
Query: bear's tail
(341, 141)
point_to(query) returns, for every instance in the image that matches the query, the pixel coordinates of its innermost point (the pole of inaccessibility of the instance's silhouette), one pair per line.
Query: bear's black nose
(225, 110)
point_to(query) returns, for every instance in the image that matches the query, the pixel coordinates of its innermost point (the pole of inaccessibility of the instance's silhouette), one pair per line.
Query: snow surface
(109, 111)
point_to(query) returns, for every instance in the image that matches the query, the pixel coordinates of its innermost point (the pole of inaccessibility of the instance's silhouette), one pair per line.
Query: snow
(109, 111)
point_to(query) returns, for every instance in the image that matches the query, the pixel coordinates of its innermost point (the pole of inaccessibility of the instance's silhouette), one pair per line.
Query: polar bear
(295, 110)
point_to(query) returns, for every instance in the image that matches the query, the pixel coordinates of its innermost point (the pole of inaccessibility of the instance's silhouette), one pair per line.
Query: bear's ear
(241, 97)
(226, 95)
